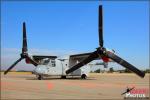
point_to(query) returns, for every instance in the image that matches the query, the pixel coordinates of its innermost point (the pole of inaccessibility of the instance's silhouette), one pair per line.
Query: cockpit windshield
(45, 61)
(48, 61)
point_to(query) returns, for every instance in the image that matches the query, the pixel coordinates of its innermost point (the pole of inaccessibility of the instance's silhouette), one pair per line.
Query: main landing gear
(83, 76)
(63, 77)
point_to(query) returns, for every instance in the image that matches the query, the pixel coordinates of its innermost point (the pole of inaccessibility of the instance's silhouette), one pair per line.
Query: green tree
(147, 71)
(127, 71)
(97, 71)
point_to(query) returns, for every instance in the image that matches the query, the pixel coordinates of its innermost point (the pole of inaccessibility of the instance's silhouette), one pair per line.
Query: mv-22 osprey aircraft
(47, 65)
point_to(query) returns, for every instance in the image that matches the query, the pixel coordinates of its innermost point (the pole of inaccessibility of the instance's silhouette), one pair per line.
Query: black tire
(40, 77)
(63, 77)
(83, 76)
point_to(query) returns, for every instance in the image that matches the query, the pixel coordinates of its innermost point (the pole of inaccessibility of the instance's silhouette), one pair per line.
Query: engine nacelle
(106, 59)
(27, 60)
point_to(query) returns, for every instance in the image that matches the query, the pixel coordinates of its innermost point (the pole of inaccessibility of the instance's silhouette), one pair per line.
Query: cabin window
(53, 63)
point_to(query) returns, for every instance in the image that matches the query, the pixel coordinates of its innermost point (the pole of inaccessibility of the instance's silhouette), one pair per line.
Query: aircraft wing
(81, 56)
(40, 57)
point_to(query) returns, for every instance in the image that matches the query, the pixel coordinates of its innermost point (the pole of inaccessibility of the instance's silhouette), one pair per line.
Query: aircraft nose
(40, 70)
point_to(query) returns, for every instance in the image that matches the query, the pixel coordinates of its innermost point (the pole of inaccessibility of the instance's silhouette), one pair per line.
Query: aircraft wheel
(63, 77)
(40, 77)
(83, 76)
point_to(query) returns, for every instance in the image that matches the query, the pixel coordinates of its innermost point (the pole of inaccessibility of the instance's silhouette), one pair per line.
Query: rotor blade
(85, 61)
(100, 26)
(24, 44)
(13, 65)
(125, 64)
(32, 61)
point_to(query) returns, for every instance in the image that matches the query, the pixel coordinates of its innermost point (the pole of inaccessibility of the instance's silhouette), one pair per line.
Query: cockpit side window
(46, 62)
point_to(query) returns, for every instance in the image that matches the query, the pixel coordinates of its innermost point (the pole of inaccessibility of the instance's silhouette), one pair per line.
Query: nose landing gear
(39, 77)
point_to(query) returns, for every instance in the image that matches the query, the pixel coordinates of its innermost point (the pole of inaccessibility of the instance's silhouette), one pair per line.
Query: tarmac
(20, 85)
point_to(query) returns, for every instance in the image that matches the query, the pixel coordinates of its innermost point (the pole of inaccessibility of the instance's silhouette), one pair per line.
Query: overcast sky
(63, 28)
